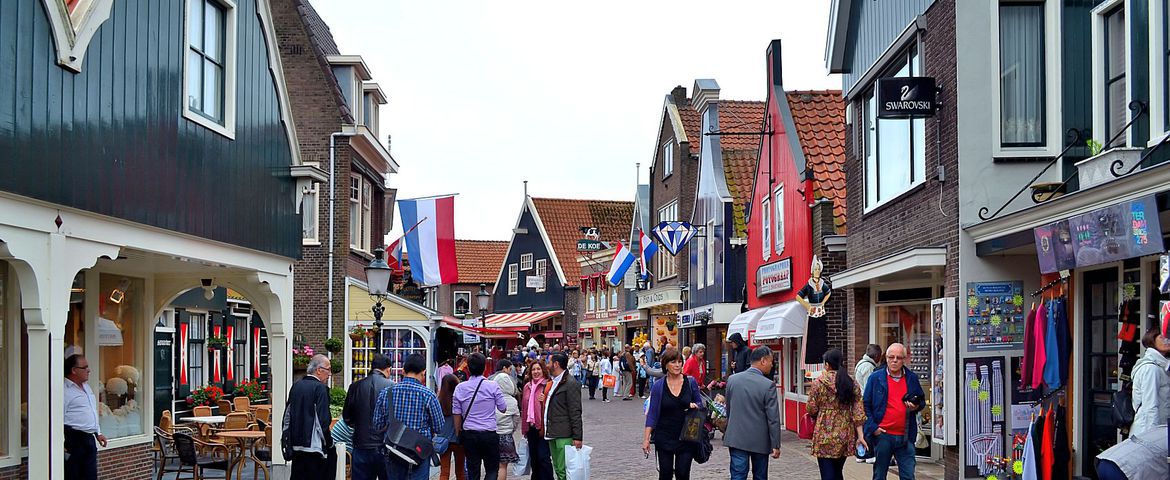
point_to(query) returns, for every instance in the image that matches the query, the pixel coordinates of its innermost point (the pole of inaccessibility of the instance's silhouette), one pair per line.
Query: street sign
(471, 338)
(906, 97)
(534, 281)
(590, 245)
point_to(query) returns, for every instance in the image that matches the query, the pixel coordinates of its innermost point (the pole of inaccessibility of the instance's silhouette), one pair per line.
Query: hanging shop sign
(995, 316)
(534, 281)
(588, 245)
(1114, 233)
(774, 277)
(942, 374)
(674, 235)
(906, 97)
(469, 337)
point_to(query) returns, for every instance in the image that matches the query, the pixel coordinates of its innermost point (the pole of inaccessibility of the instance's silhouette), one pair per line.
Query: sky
(566, 95)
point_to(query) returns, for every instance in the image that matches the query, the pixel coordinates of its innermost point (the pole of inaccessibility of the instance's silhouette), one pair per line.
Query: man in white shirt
(81, 421)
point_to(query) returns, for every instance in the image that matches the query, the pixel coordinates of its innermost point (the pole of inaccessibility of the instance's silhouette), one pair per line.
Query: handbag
(608, 381)
(1122, 406)
(403, 444)
(805, 431)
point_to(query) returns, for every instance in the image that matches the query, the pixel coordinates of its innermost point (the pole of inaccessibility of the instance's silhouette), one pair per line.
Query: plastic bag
(577, 462)
(524, 465)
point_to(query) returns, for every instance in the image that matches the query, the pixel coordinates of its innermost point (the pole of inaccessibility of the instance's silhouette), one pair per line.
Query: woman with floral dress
(835, 404)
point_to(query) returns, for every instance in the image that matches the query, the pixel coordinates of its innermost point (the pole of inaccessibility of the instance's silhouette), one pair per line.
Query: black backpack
(1122, 407)
(403, 444)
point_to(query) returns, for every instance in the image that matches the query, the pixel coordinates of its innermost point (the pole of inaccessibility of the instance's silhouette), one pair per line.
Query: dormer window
(210, 65)
(372, 98)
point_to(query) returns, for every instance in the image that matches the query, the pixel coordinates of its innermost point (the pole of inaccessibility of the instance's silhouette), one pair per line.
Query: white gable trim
(71, 44)
(528, 206)
(552, 253)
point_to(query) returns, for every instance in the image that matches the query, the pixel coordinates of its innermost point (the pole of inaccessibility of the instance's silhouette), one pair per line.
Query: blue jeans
(402, 471)
(739, 464)
(893, 446)
(369, 464)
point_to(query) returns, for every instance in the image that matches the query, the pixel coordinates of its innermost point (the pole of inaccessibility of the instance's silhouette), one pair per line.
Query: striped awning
(518, 320)
(457, 325)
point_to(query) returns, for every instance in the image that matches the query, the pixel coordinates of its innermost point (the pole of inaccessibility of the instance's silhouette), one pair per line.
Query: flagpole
(428, 197)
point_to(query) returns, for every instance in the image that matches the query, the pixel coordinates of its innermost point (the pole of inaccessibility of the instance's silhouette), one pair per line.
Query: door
(163, 374)
(1100, 295)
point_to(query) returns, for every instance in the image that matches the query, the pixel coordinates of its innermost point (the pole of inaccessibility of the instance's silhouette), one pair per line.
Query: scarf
(533, 387)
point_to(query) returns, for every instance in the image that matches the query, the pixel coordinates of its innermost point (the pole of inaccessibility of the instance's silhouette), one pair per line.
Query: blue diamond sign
(674, 235)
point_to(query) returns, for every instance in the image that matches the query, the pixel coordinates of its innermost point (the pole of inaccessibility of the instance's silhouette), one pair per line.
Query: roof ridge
(818, 92)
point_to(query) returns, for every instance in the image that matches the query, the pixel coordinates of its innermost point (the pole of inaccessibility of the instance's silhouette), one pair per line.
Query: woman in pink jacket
(532, 420)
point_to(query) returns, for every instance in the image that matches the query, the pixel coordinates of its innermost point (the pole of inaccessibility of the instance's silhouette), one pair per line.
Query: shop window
(397, 343)
(209, 84)
(121, 319)
(462, 302)
(895, 158)
(196, 337)
(908, 324)
(513, 279)
(526, 261)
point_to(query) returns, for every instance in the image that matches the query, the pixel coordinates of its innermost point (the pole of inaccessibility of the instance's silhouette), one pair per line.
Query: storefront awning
(786, 320)
(745, 323)
(907, 263)
(713, 314)
(457, 325)
(519, 321)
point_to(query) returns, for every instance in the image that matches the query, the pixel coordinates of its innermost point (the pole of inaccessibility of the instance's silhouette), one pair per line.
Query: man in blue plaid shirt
(417, 407)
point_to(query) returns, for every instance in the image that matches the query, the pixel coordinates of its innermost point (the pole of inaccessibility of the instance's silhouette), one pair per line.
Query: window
(766, 229)
(591, 297)
(209, 85)
(668, 159)
(1022, 74)
(360, 212)
(1110, 68)
(701, 263)
(309, 215)
(526, 261)
(711, 234)
(779, 220)
(397, 343)
(240, 348)
(120, 367)
(513, 279)
(196, 335)
(613, 301)
(542, 272)
(895, 159)
(462, 303)
(1159, 70)
(666, 263)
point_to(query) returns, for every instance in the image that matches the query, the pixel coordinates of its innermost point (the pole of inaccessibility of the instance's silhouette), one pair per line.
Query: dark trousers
(604, 393)
(675, 464)
(641, 386)
(831, 468)
(539, 455)
(592, 387)
(896, 447)
(1107, 470)
(481, 447)
(82, 461)
(312, 466)
(369, 464)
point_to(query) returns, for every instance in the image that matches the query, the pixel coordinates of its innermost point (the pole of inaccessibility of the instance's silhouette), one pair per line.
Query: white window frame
(228, 127)
(701, 264)
(766, 228)
(455, 301)
(1159, 44)
(871, 122)
(1053, 137)
(613, 298)
(311, 214)
(1097, 53)
(361, 239)
(778, 221)
(525, 262)
(711, 234)
(513, 279)
(668, 159)
(667, 268)
(542, 272)
(590, 297)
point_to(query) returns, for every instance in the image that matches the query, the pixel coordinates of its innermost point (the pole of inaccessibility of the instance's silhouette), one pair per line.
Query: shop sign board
(109, 335)
(468, 337)
(534, 281)
(906, 97)
(655, 298)
(695, 317)
(995, 315)
(774, 277)
(1114, 233)
(942, 375)
(589, 245)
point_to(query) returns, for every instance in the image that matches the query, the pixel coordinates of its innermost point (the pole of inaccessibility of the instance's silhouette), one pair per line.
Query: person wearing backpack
(417, 407)
(1151, 384)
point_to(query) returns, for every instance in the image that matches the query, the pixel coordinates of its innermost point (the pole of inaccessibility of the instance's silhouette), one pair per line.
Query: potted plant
(357, 333)
(1097, 169)
(301, 357)
(336, 367)
(205, 397)
(254, 390)
(333, 345)
(216, 342)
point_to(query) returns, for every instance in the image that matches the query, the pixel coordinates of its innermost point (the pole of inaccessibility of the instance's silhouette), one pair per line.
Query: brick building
(336, 106)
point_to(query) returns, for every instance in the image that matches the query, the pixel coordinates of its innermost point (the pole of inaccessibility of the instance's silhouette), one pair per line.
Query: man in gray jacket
(358, 413)
(753, 417)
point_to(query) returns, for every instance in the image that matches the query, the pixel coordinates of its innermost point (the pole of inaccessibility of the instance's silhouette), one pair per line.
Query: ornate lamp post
(481, 300)
(378, 281)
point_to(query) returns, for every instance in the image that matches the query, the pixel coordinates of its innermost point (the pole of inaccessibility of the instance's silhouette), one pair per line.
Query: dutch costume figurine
(813, 297)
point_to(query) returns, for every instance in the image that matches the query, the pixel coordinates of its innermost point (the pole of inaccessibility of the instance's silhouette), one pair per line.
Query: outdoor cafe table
(246, 439)
(208, 420)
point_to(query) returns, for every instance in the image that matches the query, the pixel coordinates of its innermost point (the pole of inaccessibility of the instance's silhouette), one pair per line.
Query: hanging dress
(1040, 329)
(1029, 349)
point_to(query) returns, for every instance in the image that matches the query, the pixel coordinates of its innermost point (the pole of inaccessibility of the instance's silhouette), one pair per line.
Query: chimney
(775, 65)
(706, 92)
(679, 93)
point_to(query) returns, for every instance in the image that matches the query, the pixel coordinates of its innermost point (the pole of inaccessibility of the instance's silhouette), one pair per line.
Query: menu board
(1117, 232)
(995, 315)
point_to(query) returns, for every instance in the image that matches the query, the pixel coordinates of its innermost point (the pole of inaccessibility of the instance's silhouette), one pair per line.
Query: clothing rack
(1060, 281)
(1049, 395)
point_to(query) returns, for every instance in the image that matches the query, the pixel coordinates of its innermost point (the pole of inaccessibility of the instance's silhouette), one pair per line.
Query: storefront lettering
(1108, 234)
(774, 277)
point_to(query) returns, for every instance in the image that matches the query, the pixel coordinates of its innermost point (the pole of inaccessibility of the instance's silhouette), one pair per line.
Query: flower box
(1095, 171)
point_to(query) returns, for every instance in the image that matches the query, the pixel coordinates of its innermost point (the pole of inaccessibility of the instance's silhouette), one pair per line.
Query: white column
(281, 376)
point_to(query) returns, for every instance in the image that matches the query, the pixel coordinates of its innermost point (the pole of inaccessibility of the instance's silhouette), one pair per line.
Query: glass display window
(397, 343)
(121, 317)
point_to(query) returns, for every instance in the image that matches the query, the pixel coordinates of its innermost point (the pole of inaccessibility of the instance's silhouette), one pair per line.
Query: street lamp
(481, 300)
(378, 282)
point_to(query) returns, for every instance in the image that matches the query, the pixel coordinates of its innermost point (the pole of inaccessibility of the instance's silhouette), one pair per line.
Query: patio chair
(263, 412)
(225, 407)
(262, 449)
(164, 448)
(242, 404)
(187, 448)
(201, 411)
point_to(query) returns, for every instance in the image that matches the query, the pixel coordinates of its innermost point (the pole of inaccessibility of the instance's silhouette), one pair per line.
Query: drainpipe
(332, 201)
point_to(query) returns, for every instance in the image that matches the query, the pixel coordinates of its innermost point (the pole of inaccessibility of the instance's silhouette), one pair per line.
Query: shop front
(631, 324)
(407, 328)
(661, 305)
(708, 325)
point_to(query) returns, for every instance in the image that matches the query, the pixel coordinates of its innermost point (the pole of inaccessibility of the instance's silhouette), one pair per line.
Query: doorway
(1100, 362)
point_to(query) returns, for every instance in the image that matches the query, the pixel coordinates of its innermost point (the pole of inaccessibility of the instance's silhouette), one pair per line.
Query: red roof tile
(819, 116)
(563, 218)
(692, 124)
(479, 261)
(740, 116)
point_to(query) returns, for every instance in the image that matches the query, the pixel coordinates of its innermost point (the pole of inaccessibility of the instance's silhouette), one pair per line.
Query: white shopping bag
(577, 462)
(524, 465)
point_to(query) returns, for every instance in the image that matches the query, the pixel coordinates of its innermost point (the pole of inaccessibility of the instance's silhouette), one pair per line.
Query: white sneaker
(871, 461)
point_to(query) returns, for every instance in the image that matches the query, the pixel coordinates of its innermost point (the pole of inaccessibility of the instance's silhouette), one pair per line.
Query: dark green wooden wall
(112, 139)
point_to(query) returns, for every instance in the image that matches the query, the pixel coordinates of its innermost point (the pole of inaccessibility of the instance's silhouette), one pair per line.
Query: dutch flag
(622, 260)
(649, 248)
(432, 242)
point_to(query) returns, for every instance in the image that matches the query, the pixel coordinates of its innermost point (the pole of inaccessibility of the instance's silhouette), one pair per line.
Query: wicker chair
(262, 449)
(263, 412)
(225, 407)
(164, 448)
(201, 411)
(188, 454)
(242, 403)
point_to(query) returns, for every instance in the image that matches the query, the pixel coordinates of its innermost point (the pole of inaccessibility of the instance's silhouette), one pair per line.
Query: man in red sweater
(696, 365)
(893, 396)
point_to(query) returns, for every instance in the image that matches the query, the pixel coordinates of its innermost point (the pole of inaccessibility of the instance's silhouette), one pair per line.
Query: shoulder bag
(1122, 407)
(402, 443)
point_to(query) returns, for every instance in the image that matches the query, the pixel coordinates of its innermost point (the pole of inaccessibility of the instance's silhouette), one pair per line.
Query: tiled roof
(563, 219)
(740, 116)
(318, 29)
(739, 170)
(479, 261)
(692, 124)
(819, 116)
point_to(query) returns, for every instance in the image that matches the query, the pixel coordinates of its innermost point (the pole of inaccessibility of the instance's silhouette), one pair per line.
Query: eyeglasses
(86, 368)
(895, 357)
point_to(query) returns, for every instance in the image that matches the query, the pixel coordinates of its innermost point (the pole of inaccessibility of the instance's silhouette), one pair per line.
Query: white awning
(745, 322)
(786, 320)
(909, 262)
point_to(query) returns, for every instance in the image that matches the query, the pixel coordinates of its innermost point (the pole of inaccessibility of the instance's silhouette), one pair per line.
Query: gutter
(332, 202)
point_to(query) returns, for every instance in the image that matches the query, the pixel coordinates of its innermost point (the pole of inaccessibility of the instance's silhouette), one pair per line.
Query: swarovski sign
(906, 97)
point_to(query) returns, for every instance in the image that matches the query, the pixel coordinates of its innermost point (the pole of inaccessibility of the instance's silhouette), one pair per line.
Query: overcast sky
(566, 95)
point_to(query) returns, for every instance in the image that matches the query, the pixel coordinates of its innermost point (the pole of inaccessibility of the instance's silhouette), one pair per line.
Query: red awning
(518, 321)
(456, 324)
